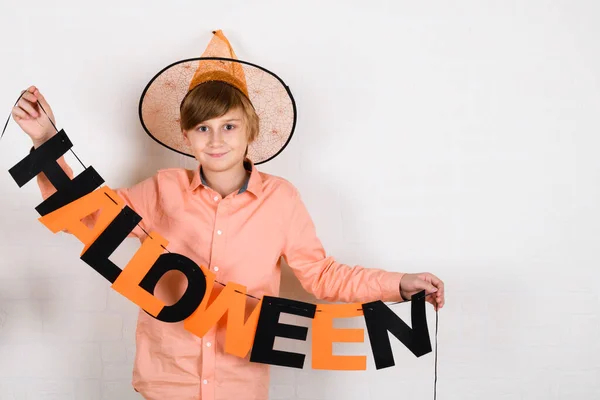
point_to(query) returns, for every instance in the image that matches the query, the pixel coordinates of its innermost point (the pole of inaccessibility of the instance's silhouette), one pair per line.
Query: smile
(217, 155)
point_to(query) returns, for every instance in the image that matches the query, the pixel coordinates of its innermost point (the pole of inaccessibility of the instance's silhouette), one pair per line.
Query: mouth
(216, 155)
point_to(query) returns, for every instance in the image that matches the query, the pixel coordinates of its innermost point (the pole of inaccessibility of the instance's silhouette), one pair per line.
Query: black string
(84, 167)
(249, 295)
(49, 119)
(8, 119)
(237, 291)
(435, 375)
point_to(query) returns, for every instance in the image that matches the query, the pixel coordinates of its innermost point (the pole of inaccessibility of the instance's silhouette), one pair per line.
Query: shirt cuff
(391, 286)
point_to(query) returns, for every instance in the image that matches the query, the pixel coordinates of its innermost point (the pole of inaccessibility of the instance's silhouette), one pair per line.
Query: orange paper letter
(128, 282)
(239, 335)
(324, 334)
(69, 217)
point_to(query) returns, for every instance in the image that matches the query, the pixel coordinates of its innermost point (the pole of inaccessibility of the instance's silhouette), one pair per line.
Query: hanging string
(8, 119)
(435, 362)
(49, 119)
(249, 295)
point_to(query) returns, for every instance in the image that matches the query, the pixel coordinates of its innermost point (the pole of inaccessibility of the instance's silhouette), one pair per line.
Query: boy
(226, 215)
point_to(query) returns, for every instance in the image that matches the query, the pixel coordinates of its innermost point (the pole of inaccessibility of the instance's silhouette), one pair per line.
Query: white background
(459, 138)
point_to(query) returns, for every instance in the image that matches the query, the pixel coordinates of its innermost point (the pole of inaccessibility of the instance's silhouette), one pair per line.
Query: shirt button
(205, 381)
(219, 232)
(208, 344)
(216, 268)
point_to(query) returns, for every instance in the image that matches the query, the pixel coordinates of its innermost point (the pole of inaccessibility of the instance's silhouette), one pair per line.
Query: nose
(215, 139)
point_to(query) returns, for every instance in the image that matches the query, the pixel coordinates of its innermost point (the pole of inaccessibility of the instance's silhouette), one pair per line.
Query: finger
(437, 282)
(429, 277)
(30, 97)
(433, 302)
(19, 114)
(29, 89)
(441, 295)
(441, 301)
(433, 279)
(441, 290)
(424, 285)
(28, 107)
(42, 99)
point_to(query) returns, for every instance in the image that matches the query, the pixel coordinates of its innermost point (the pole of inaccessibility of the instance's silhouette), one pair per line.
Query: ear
(186, 138)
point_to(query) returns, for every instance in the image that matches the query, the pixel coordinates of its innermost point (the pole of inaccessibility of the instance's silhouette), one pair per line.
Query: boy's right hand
(30, 117)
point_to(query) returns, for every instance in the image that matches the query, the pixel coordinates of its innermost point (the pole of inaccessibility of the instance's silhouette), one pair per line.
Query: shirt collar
(252, 184)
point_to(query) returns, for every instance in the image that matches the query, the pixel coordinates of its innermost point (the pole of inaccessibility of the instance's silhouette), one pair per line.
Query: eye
(202, 128)
(229, 127)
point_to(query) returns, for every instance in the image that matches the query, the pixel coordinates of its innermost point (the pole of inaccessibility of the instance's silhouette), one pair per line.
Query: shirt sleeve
(141, 198)
(323, 276)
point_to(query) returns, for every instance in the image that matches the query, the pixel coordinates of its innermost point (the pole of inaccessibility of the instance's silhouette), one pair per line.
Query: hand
(30, 117)
(414, 283)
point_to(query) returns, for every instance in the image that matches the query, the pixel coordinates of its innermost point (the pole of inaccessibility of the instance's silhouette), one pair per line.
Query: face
(219, 144)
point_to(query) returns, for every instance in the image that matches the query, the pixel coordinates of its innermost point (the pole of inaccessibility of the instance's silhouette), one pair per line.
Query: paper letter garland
(83, 196)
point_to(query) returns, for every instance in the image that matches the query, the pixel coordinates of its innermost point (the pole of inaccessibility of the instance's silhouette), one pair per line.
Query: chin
(223, 163)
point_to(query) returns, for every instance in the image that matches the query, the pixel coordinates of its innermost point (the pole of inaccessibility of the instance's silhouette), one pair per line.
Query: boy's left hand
(414, 283)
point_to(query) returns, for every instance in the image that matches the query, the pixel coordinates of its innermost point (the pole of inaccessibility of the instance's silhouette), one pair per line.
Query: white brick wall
(459, 138)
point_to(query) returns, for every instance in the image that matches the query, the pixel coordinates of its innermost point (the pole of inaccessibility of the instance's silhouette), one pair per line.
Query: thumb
(428, 287)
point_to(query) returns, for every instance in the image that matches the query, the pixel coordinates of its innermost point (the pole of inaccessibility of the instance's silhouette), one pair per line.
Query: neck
(226, 182)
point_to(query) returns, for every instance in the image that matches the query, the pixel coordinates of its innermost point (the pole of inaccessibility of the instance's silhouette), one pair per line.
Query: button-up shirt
(242, 238)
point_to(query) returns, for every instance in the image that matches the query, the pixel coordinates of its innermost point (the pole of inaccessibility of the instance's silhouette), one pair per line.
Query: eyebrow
(229, 120)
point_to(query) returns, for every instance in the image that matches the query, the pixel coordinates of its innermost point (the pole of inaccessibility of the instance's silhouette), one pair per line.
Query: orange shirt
(242, 238)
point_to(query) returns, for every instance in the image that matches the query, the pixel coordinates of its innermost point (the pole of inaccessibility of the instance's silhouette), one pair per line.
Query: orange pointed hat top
(218, 70)
(160, 102)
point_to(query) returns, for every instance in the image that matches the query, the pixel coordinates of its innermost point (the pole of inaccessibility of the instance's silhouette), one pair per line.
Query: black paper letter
(269, 327)
(96, 256)
(380, 319)
(195, 291)
(44, 160)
